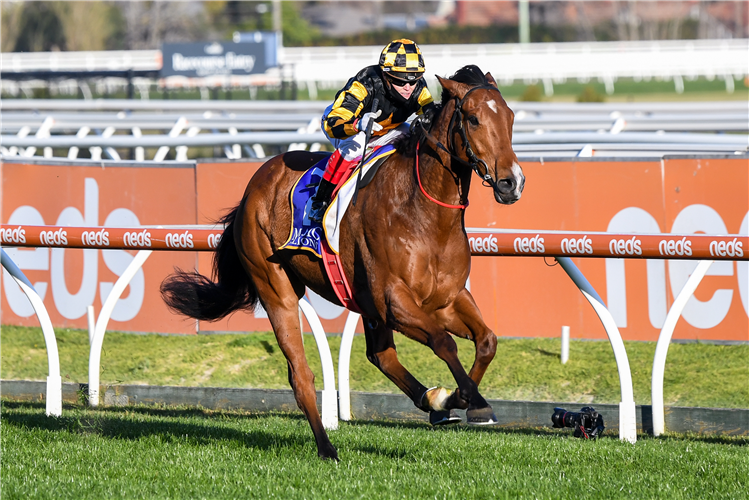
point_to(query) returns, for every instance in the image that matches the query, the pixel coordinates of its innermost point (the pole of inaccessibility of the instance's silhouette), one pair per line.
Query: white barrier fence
(549, 63)
(34, 127)
(704, 247)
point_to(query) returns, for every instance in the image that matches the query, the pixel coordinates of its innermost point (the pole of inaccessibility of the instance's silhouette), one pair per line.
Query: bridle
(473, 160)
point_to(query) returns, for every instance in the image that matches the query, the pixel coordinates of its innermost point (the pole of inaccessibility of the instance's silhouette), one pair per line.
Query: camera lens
(562, 418)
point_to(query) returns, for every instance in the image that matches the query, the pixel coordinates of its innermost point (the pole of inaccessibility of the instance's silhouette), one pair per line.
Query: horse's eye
(473, 121)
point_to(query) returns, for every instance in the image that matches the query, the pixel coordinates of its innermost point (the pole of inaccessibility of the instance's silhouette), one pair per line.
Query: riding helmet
(401, 60)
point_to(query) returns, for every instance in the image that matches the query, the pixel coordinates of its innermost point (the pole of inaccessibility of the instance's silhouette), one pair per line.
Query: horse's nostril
(507, 185)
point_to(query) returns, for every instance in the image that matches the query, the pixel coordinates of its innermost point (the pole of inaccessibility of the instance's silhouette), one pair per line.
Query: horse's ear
(455, 89)
(491, 79)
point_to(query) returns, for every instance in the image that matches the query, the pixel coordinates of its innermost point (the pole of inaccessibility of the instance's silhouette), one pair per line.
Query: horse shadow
(546, 431)
(116, 423)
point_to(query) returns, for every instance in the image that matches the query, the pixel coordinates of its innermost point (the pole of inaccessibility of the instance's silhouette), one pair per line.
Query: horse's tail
(196, 296)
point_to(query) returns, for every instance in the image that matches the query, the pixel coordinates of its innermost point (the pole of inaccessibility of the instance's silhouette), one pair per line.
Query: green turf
(138, 452)
(524, 369)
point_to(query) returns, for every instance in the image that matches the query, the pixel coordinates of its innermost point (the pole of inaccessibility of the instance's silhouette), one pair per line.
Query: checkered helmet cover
(402, 56)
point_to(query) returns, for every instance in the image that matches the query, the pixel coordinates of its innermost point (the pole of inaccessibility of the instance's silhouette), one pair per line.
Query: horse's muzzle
(509, 189)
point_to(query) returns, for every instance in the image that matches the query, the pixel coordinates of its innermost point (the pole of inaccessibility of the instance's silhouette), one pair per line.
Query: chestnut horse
(403, 247)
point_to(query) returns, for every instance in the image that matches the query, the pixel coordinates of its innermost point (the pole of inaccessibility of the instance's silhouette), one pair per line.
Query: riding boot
(320, 200)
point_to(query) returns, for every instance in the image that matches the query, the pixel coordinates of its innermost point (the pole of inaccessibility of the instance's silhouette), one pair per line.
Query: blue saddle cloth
(305, 233)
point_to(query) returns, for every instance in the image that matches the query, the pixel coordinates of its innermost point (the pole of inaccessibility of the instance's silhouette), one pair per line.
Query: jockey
(398, 84)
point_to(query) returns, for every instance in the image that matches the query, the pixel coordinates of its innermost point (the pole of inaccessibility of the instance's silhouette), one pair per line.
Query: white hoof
(435, 398)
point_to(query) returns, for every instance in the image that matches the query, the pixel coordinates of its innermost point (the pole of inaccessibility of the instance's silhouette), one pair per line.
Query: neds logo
(488, 244)
(626, 247)
(177, 240)
(682, 247)
(137, 239)
(727, 249)
(95, 238)
(579, 245)
(529, 245)
(213, 240)
(17, 235)
(54, 238)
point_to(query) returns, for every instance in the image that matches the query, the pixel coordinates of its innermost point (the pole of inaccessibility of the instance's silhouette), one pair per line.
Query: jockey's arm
(426, 101)
(352, 102)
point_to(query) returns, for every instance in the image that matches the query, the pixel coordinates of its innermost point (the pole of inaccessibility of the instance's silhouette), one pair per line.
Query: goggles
(400, 79)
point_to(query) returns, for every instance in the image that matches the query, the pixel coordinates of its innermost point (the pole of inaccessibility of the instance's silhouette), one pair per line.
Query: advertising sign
(518, 296)
(213, 59)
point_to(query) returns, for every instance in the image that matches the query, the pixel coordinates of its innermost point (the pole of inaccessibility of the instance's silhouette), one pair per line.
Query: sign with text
(213, 59)
(693, 202)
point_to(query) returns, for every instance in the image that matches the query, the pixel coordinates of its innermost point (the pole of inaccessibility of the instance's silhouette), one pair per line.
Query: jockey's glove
(369, 117)
(425, 119)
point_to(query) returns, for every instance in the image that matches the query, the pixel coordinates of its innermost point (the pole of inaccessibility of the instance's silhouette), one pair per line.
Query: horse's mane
(470, 75)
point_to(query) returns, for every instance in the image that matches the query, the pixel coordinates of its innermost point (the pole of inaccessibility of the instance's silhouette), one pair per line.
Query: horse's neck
(444, 180)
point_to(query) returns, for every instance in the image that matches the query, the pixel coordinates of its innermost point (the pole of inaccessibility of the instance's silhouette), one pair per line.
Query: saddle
(321, 239)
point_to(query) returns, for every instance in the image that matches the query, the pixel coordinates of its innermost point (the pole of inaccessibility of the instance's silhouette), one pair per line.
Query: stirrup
(317, 211)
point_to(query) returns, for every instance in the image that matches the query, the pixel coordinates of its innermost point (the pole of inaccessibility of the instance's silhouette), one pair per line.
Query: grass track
(139, 452)
(524, 369)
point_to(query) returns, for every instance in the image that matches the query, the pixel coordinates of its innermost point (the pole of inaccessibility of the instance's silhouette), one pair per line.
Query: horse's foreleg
(464, 320)
(409, 319)
(381, 353)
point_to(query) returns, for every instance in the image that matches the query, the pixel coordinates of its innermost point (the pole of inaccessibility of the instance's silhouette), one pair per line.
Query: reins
(418, 177)
(473, 160)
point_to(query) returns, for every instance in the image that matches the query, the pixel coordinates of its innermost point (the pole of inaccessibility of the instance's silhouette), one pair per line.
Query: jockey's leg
(349, 150)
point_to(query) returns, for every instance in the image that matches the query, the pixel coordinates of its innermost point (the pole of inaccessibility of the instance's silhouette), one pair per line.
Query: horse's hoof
(481, 416)
(443, 417)
(328, 452)
(435, 399)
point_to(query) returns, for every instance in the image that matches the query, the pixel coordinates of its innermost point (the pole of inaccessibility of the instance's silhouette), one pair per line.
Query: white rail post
(627, 409)
(344, 364)
(565, 344)
(94, 357)
(329, 394)
(54, 381)
(91, 318)
(664, 340)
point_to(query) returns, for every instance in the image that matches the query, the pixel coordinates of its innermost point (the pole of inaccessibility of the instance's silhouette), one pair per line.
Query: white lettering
(137, 239)
(682, 247)
(581, 245)
(632, 246)
(727, 249)
(95, 238)
(529, 245)
(179, 240)
(213, 240)
(10, 236)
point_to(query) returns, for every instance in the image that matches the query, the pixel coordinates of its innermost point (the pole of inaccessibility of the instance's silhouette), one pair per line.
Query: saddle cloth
(306, 234)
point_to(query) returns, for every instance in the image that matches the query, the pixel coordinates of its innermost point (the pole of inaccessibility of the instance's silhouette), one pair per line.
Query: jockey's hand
(424, 120)
(369, 117)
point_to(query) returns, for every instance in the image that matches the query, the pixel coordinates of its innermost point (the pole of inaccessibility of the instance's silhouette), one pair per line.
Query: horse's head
(480, 131)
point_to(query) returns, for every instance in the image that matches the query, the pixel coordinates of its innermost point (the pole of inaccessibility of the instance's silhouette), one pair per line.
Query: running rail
(561, 245)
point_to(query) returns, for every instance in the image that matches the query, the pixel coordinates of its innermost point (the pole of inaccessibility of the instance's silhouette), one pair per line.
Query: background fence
(548, 63)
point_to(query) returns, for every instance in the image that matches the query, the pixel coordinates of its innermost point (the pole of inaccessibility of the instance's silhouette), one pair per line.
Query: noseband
(473, 160)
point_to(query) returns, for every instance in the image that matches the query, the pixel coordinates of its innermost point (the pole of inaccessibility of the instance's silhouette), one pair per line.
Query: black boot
(320, 200)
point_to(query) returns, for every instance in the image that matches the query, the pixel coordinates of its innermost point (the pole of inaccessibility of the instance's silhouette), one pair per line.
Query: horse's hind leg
(281, 303)
(280, 297)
